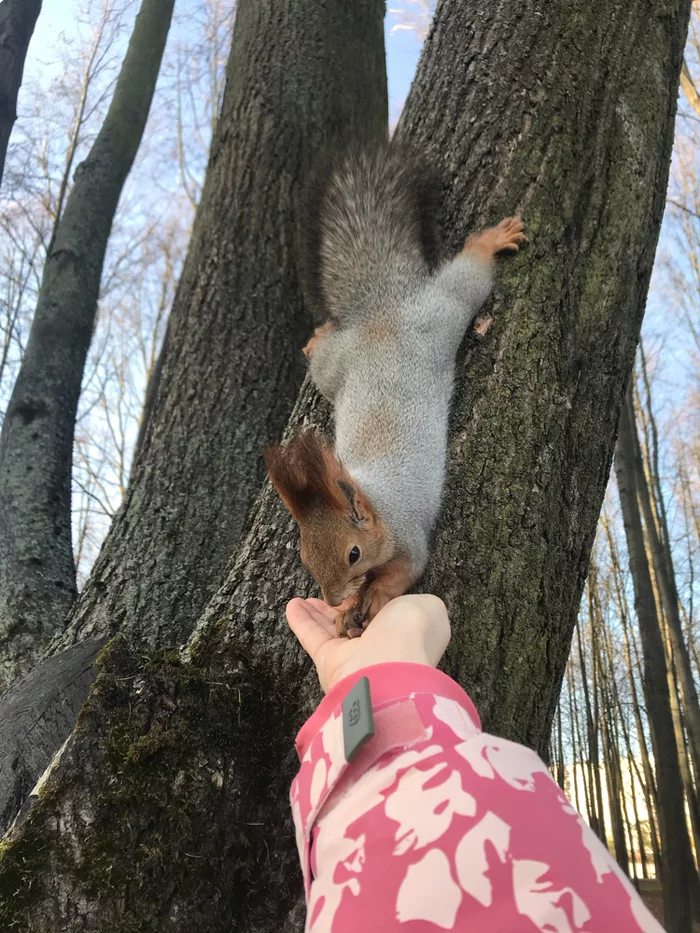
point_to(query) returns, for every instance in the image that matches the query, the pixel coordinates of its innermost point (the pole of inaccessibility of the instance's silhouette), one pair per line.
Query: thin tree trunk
(592, 729)
(683, 758)
(37, 573)
(648, 785)
(17, 21)
(300, 77)
(603, 725)
(652, 809)
(662, 559)
(690, 513)
(573, 719)
(561, 773)
(612, 714)
(677, 859)
(635, 809)
(168, 806)
(580, 759)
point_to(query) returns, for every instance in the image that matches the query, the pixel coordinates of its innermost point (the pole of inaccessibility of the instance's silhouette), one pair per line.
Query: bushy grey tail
(369, 230)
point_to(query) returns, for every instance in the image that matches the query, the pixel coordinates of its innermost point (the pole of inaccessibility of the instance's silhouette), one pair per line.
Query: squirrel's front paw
(349, 622)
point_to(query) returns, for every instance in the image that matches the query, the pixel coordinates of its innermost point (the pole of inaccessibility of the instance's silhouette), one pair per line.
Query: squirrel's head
(343, 539)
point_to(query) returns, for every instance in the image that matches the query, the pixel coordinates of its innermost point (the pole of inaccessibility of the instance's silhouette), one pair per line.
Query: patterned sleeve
(438, 826)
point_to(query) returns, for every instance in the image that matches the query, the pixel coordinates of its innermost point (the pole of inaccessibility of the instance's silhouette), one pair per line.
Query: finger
(322, 613)
(328, 612)
(310, 631)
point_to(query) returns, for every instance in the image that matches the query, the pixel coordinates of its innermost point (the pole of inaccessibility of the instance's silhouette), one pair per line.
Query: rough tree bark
(567, 115)
(17, 21)
(300, 77)
(35, 716)
(37, 573)
(677, 859)
(168, 807)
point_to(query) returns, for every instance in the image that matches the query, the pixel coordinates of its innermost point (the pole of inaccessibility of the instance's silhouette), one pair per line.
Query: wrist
(354, 666)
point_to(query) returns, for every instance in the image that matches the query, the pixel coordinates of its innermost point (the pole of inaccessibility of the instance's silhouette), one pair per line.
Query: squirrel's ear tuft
(286, 479)
(301, 473)
(358, 511)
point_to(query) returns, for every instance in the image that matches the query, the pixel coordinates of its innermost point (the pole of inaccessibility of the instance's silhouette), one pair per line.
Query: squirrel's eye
(354, 555)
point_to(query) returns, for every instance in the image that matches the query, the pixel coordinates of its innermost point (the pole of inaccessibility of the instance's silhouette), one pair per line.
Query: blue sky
(58, 16)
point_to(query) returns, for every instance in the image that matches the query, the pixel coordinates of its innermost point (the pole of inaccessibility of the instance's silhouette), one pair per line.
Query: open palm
(410, 628)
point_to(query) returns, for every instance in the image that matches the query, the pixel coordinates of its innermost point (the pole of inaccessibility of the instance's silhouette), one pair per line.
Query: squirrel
(385, 359)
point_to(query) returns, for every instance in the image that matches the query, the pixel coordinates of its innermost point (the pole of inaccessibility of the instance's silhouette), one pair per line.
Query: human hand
(410, 628)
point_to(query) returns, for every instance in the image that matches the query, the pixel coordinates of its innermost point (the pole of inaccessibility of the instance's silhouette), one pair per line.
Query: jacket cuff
(391, 680)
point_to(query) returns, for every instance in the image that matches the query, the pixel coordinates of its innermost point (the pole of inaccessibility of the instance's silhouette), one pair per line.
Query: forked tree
(167, 807)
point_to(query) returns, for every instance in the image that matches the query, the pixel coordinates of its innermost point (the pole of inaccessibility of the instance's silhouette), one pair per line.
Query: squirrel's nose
(332, 597)
(340, 604)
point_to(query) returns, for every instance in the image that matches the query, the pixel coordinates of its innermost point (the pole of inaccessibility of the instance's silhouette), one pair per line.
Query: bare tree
(37, 575)
(17, 21)
(677, 858)
(657, 534)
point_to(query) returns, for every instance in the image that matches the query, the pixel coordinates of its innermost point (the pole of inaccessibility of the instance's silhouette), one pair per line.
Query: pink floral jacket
(437, 826)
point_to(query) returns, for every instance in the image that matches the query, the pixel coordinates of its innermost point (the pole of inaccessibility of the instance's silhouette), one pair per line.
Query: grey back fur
(388, 364)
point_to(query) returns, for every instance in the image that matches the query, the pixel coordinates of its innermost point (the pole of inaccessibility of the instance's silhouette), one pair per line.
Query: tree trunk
(300, 77)
(691, 796)
(560, 770)
(677, 859)
(575, 746)
(37, 573)
(648, 785)
(17, 21)
(35, 717)
(168, 807)
(611, 746)
(597, 812)
(662, 560)
(569, 120)
(633, 770)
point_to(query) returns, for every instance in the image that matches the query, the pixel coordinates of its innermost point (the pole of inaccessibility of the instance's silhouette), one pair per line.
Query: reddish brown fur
(390, 581)
(304, 473)
(332, 512)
